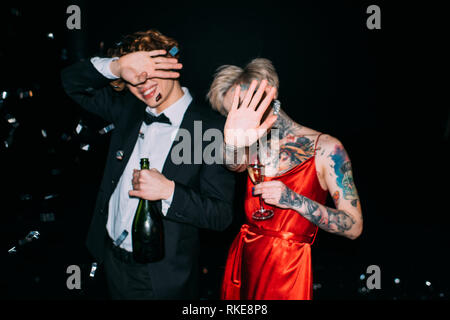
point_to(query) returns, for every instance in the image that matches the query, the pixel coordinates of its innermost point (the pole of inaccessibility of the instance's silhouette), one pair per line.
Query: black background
(378, 91)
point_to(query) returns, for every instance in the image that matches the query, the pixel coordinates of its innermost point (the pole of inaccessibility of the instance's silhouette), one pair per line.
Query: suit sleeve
(210, 207)
(89, 88)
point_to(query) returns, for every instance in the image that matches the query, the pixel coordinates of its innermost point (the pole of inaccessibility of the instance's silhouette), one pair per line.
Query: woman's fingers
(249, 94)
(267, 124)
(237, 93)
(266, 102)
(258, 95)
(265, 186)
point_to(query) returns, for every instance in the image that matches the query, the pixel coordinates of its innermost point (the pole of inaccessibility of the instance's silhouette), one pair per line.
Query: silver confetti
(10, 119)
(50, 196)
(32, 235)
(47, 217)
(79, 128)
(93, 269)
(121, 238)
(26, 197)
(317, 286)
(25, 94)
(107, 129)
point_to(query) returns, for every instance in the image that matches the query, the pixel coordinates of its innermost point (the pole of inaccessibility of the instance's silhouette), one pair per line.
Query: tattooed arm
(346, 219)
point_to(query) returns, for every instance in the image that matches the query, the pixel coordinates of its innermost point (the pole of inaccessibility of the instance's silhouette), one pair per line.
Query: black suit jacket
(203, 193)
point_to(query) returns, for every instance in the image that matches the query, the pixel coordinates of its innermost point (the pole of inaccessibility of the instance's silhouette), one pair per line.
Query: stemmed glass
(256, 173)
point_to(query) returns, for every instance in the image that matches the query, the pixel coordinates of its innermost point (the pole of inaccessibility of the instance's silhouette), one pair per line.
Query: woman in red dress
(271, 258)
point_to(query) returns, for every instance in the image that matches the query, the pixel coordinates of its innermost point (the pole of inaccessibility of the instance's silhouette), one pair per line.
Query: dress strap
(317, 140)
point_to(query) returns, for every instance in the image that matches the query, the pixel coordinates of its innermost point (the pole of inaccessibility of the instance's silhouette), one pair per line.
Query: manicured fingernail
(253, 191)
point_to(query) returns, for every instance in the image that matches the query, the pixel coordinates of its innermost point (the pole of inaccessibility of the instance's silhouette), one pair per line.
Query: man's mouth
(149, 93)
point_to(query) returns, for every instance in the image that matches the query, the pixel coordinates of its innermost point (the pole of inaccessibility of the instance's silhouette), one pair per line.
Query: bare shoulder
(327, 149)
(327, 144)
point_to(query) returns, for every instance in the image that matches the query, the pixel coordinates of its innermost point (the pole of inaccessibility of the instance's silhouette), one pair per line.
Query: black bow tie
(150, 118)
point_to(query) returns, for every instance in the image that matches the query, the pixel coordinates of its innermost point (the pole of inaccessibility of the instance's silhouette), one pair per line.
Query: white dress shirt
(154, 143)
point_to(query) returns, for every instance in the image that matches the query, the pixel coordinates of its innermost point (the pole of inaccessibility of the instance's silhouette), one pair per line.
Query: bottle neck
(145, 164)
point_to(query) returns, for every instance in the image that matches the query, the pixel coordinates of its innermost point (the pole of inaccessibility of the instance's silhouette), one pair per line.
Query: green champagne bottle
(147, 233)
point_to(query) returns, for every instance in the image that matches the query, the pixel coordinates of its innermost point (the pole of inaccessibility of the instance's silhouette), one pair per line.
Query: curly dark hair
(141, 41)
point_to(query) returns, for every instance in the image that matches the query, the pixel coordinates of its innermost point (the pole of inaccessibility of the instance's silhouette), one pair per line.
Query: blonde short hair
(228, 75)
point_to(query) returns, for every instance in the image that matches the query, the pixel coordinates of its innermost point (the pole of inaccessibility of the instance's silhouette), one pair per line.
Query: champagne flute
(256, 173)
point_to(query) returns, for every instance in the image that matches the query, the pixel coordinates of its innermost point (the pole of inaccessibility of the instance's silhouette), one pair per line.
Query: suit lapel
(129, 135)
(171, 170)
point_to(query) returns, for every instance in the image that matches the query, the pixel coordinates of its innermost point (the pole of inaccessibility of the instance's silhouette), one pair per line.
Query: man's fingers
(164, 60)
(168, 66)
(142, 77)
(154, 53)
(134, 193)
(165, 74)
(257, 97)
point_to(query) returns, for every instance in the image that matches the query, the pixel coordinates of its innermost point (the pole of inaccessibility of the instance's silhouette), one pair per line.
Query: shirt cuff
(102, 66)
(165, 204)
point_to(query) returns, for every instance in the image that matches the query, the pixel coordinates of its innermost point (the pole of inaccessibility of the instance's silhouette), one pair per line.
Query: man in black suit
(148, 116)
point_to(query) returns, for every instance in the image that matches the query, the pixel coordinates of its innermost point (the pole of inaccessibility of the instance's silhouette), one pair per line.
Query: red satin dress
(271, 259)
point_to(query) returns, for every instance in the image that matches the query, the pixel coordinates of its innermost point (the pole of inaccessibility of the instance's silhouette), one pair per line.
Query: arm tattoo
(328, 219)
(336, 196)
(344, 177)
